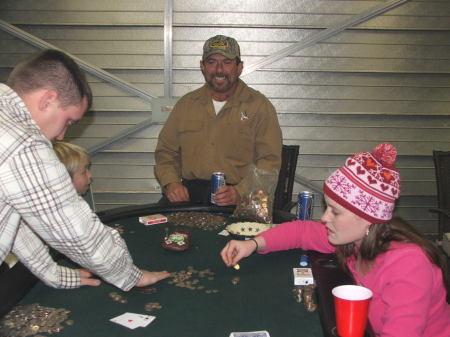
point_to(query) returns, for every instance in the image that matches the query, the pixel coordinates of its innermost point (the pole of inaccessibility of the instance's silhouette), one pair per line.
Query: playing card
(132, 320)
(224, 233)
(250, 334)
(145, 319)
(128, 320)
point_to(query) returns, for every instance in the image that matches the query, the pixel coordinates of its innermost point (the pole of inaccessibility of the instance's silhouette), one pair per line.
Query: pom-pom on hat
(368, 184)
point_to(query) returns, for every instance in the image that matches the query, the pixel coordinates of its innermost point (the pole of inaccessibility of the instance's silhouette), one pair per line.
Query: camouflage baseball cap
(223, 45)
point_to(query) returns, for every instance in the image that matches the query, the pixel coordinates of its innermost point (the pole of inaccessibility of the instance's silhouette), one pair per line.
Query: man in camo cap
(224, 126)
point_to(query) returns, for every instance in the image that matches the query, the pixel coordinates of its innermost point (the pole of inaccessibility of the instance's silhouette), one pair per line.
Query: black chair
(442, 168)
(283, 193)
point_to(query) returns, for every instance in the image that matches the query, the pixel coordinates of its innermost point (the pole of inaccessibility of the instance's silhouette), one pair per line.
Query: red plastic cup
(351, 304)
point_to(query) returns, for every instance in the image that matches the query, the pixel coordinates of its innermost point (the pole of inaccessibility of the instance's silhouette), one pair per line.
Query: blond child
(77, 162)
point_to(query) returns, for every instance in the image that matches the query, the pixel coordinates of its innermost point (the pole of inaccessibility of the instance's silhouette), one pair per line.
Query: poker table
(261, 299)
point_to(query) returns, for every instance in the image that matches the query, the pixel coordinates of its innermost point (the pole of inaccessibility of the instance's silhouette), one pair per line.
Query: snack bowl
(178, 240)
(246, 230)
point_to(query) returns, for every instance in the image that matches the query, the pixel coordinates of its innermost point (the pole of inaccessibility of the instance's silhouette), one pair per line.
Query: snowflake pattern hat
(368, 184)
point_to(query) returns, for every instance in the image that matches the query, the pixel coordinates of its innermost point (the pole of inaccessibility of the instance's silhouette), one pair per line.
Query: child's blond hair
(71, 155)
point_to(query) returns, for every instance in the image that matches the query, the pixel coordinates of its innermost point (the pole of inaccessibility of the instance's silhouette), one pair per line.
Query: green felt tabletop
(262, 300)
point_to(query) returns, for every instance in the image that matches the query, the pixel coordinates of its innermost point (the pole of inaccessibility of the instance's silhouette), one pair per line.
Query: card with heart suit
(132, 320)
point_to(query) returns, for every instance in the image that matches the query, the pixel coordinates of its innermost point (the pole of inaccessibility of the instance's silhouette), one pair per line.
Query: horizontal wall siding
(386, 79)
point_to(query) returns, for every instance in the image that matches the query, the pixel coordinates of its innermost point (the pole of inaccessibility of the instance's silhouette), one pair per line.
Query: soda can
(305, 205)
(217, 181)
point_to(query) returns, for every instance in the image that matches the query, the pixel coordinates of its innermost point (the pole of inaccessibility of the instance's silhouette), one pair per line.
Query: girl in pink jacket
(406, 273)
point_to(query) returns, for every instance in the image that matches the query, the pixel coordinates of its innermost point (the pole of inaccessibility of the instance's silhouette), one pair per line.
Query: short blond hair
(71, 155)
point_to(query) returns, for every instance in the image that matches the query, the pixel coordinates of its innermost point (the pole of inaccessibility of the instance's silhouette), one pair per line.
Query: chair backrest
(285, 185)
(442, 168)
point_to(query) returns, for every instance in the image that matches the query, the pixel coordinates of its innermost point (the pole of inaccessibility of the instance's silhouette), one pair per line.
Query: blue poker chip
(304, 261)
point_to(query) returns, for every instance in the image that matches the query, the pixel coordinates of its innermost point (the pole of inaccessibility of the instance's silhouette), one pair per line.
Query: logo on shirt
(244, 116)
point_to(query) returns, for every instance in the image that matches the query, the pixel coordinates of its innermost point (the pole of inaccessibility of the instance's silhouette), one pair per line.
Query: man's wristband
(256, 243)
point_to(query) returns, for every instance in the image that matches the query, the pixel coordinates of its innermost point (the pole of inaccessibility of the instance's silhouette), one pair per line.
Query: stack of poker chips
(304, 282)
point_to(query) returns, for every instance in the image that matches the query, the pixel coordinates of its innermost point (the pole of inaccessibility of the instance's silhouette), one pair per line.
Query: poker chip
(243, 230)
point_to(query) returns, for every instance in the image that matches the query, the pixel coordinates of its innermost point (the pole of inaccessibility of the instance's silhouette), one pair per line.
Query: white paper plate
(247, 229)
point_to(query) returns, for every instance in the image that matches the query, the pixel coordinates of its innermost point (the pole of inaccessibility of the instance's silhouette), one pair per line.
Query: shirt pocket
(241, 142)
(245, 130)
(242, 125)
(191, 134)
(190, 126)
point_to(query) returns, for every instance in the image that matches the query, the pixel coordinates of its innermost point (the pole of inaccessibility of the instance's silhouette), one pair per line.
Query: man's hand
(227, 195)
(148, 278)
(86, 278)
(177, 192)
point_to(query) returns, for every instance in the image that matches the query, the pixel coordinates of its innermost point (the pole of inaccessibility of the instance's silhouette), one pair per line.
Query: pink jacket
(409, 298)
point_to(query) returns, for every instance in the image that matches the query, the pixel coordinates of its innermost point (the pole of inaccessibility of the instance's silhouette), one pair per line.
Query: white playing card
(145, 319)
(250, 334)
(128, 320)
(224, 232)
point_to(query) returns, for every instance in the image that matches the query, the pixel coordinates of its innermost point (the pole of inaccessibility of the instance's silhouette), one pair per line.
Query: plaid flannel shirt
(39, 203)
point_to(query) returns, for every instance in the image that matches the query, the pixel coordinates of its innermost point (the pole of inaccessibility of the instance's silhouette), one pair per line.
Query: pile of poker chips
(235, 280)
(116, 297)
(33, 319)
(305, 294)
(202, 220)
(308, 298)
(152, 305)
(184, 279)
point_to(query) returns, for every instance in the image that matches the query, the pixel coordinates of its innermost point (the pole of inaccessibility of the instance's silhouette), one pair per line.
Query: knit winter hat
(368, 184)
